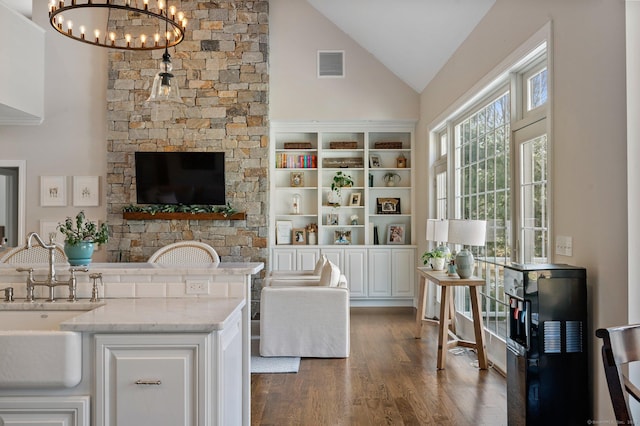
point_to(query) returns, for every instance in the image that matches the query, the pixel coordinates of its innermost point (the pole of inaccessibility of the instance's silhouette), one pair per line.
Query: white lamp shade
(437, 230)
(467, 232)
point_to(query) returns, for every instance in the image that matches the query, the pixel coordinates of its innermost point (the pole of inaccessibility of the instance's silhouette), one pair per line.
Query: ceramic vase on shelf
(312, 238)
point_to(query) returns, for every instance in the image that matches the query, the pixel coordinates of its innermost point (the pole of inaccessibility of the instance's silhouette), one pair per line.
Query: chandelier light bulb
(82, 29)
(70, 27)
(112, 37)
(143, 39)
(97, 34)
(172, 11)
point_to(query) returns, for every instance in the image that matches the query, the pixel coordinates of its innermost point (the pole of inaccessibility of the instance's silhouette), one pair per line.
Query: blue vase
(79, 254)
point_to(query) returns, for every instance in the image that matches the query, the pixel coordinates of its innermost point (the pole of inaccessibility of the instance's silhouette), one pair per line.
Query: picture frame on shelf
(354, 200)
(296, 179)
(396, 234)
(53, 191)
(388, 206)
(374, 161)
(283, 231)
(86, 191)
(342, 237)
(299, 236)
(332, 219)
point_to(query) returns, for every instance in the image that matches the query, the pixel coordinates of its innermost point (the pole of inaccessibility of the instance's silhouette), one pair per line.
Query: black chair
(621, 345)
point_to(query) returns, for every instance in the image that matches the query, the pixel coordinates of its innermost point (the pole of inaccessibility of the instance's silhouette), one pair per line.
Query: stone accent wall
(222, 72)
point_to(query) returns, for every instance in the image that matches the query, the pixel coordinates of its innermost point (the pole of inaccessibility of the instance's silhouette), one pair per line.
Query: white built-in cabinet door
(379, 273)
(45, 410)
(150, 379)
(355, 270)
(402, 272)
(335, 256)
(284, 259)
(306, 259)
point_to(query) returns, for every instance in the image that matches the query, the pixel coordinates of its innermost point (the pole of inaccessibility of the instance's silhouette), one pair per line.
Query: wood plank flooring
(389, 379)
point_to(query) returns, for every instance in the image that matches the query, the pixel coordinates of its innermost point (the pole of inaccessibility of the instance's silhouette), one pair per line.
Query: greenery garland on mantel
(225, 210)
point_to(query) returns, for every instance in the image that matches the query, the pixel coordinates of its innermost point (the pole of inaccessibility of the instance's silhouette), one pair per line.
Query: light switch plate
(564, 245)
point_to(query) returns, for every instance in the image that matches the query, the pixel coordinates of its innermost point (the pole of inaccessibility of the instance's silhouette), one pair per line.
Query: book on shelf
(292, 161)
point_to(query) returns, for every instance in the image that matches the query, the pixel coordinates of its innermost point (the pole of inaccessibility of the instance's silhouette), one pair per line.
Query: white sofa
(305, 318)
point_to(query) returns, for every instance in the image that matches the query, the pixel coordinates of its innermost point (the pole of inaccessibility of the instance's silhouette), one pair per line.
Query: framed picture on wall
(86, 190)
(355, 199)
(342, 237)
(53, 191)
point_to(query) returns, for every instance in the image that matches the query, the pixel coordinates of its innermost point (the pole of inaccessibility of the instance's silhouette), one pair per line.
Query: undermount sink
(35, 353)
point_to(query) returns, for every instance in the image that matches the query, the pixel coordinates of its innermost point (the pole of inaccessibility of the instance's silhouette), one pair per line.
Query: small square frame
(388, 206)
(342, 237)
(86, 191)
(333, 219)
(299, 236)
(53, 191)
(296, 179)
(374, 161)
(396, 234)
(354, 200)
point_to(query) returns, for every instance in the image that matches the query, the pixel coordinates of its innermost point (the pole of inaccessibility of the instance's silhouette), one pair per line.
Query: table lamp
(438, 230)
(467, 233)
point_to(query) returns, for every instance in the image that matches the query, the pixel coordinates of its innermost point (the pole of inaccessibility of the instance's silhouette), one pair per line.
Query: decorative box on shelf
(297, 145)
(388, 145)
(343, 145)
(345, 163)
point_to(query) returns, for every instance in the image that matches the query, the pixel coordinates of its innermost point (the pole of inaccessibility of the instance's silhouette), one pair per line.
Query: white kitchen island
(151, 349)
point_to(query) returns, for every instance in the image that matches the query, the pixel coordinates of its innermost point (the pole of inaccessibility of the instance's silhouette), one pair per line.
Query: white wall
(588, 141)
(633, 172)
(72, 139)
(368, 92)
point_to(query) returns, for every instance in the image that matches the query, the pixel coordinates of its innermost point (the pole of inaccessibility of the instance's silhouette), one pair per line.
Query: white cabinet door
(403, 272)
(150, 379)
(284, 259)
(306, 259)
(355, 269)
(335, 256)
(45, 410)
(379, 276)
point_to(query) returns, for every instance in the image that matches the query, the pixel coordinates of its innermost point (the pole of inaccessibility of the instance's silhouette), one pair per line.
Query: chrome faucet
(51, 282)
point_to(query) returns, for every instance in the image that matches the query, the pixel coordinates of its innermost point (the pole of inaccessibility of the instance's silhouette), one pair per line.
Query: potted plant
(80, 236)
(340, 180)
(436, 258)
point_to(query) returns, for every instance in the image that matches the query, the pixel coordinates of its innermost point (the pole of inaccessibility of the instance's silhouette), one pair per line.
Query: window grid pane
(537, 90)
(534, 232)
(482, 192)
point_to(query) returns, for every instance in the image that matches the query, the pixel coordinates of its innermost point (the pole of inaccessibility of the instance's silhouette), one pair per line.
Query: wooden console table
(447, 312)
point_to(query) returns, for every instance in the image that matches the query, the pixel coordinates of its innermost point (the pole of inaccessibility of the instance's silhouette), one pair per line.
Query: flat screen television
(180, 178)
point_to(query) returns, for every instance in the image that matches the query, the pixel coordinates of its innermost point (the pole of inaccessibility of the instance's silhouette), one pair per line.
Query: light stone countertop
(224, 268)
(165, 315)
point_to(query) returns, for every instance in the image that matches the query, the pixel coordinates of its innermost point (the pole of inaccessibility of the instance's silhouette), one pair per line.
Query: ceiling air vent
(330, 63)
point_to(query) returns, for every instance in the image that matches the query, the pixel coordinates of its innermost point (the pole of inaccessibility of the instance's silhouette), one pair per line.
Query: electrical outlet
(197, 287)
(564, 245)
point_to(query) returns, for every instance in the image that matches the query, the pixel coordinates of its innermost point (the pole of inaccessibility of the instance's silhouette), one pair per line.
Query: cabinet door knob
(147, 382)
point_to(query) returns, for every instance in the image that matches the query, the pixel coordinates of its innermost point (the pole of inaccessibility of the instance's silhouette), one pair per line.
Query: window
(499, 174)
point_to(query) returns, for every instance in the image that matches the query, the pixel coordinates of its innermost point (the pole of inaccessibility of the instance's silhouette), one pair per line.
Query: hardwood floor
(389, 379)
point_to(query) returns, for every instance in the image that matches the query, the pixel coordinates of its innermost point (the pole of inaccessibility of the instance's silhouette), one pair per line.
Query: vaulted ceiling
(413, 38)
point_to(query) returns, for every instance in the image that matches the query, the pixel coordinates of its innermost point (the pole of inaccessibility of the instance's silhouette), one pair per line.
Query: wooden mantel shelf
(181, 216)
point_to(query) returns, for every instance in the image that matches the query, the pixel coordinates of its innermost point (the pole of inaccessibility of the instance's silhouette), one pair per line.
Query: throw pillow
(330, 275)
(319, 264)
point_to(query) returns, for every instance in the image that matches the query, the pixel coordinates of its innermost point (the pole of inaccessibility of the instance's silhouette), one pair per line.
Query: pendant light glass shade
(165, 88)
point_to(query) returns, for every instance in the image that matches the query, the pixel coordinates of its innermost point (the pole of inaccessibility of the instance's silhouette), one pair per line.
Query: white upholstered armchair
(305, 318)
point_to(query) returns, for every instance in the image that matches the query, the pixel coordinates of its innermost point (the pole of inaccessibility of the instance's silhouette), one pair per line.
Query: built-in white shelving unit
(305, 157)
